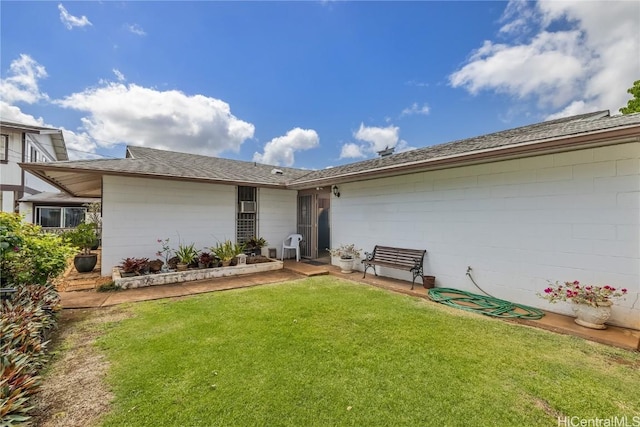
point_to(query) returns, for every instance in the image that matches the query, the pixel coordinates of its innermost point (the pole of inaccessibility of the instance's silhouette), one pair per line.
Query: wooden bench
(399, 258)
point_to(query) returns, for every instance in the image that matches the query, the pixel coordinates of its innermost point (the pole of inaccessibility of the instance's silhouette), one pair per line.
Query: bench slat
(400, 258)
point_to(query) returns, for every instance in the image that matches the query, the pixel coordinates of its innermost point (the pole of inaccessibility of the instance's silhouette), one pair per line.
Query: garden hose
(483, 304)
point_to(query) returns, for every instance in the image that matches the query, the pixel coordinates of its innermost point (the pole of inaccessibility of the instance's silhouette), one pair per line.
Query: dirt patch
(620, 361)
(547, 408)
(74, 391)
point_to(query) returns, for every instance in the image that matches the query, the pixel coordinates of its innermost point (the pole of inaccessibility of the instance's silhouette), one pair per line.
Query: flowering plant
(166, 250)
(345, 251)
(581, 294)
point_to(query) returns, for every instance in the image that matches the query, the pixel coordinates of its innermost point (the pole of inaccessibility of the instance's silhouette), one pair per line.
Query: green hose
(483, 304)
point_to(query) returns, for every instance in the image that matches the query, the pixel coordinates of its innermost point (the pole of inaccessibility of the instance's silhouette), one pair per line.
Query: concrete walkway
(619, 337)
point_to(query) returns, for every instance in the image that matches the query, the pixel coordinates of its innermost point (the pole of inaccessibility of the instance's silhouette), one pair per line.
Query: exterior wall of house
(11, 173)
(139, 211)
(518, 224)
(43, 145)
(277, 216)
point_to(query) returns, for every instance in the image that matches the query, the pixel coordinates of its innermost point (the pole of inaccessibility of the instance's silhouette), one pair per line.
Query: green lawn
(327, 352)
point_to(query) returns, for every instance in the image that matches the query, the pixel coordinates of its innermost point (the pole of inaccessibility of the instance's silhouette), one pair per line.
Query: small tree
(633, 105)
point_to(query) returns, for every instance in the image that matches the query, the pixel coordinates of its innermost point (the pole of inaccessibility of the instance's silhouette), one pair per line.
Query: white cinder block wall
(139, 211)
(517, 223)
(277, 216)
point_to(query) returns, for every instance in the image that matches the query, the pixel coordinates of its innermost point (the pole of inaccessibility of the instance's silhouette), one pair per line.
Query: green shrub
(109, 287)
(30, 256)
(25, 323)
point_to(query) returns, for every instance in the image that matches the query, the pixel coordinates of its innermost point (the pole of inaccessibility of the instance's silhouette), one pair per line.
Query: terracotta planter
(181, 267)
(428, 282)
(592, 317)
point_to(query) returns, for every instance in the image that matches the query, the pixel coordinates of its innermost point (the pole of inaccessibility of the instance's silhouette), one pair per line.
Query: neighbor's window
(59, 217)
(4, 148)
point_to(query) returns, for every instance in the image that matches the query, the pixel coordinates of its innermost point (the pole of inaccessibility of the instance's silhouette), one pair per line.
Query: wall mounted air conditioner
(247, 207)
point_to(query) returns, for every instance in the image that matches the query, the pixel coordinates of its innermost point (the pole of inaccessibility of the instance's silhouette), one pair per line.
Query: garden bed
(192, 274)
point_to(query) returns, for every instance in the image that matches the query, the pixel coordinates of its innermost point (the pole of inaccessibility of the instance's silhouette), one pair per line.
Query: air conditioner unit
(247, 207)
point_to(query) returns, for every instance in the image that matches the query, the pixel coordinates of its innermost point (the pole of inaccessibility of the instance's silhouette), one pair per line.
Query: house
(558, 200)
(20, 143)
(23, 192)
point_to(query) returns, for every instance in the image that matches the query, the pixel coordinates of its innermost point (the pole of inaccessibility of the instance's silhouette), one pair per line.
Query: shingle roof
(57, 138)
(539, 132)
(159, 163)
(84, 177)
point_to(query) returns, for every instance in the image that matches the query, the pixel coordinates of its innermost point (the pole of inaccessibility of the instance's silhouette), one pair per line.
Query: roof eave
(42, 169)
(548, 146)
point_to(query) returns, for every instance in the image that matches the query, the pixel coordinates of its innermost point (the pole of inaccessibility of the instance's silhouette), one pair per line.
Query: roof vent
(386, 152)
(277, 172)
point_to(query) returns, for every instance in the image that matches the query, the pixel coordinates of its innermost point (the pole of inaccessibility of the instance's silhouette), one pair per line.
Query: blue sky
(308, 84)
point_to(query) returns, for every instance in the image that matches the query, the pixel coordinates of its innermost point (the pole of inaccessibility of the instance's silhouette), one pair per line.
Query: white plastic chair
(293, 243)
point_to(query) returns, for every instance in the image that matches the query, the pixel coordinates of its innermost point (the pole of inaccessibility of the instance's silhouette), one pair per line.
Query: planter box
(190, 275)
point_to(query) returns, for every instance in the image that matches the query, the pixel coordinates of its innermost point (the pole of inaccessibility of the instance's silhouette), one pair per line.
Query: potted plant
(205, 259)
(591, 304)
(346, 254)
(83, 237)
(134, 266)
(227, 251)
(255, 245)
(94, 216)
(186, 255)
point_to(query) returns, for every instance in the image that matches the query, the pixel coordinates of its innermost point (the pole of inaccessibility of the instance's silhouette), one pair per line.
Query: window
(60, 217)
(246, 221)
(33, 154)
(4, 148)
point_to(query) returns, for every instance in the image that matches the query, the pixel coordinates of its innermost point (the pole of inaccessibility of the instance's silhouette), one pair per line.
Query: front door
(305, 224)
(313, 222)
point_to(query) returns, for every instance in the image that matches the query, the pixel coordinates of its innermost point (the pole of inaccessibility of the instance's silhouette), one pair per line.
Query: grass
(322, 351)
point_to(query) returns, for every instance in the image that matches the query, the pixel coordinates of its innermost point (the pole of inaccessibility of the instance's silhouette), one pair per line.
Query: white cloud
(119, 75)
(351, 150)
(71, 21)
(415, 109)
(80, 146)
(12, 113)
(136, 115)
(578, 67)
(136, 29)
(21, 85)
(416, 83)
(280, 151)
(377, 137)
(373, 139)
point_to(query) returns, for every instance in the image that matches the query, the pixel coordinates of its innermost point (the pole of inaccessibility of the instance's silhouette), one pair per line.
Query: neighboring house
(37, 200)
(558, 200)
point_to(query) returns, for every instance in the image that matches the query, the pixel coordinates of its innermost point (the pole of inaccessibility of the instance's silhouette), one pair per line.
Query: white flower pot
(346, 265)
(592, 317)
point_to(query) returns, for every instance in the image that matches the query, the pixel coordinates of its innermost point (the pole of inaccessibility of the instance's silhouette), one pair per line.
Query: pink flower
(623, 290)
(576, 282)
(548, 291)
